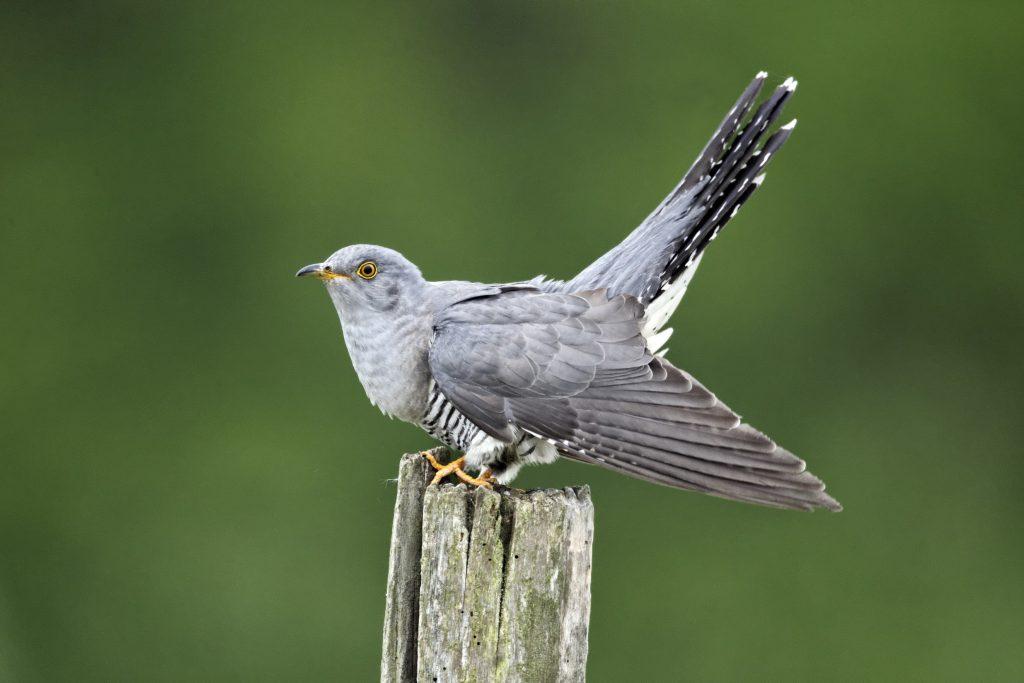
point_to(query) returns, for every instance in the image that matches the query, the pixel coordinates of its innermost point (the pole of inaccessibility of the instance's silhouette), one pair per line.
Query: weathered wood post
(486, 585)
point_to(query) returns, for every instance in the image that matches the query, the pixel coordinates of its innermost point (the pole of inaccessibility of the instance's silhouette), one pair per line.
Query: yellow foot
(455, 467)
(486, 479)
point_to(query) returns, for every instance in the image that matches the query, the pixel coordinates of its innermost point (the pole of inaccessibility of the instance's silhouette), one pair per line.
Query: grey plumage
(524, 372)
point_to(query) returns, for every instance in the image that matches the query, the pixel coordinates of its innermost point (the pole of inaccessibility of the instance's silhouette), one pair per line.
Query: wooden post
(486, 585)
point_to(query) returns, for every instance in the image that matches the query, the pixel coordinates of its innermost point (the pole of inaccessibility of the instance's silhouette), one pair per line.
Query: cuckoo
(530, 371)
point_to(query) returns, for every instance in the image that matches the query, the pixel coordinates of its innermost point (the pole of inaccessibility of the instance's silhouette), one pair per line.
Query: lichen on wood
(486, 585)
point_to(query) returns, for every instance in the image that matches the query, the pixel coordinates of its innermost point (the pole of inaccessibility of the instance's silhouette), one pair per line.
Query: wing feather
(575, 369)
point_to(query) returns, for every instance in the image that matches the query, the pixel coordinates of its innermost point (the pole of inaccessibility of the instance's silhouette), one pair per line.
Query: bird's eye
(367, 270)
(327, 269)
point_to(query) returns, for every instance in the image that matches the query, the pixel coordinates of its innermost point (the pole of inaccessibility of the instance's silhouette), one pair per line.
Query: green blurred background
(193, 485)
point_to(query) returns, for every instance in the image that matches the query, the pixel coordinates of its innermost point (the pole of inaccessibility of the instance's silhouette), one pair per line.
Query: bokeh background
(192, 483)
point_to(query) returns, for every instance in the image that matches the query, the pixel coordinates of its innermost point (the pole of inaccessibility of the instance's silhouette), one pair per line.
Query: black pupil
(367, 269)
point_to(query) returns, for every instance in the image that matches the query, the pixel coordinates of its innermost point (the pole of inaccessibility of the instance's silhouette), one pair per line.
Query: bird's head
(364, 276)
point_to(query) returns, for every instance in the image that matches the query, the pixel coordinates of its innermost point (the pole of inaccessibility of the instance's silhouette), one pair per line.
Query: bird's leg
(443, 470)
(432, 460)
(486, 478)
(455, 467)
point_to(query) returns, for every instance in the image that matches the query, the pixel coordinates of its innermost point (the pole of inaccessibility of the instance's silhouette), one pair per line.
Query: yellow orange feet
(486, 479)
(455, 467)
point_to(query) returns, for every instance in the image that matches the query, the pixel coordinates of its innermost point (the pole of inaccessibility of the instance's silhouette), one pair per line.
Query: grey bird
(525, 372)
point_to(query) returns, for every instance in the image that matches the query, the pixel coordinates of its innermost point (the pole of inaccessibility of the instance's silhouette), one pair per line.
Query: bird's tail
(655, 262)
(727, 172)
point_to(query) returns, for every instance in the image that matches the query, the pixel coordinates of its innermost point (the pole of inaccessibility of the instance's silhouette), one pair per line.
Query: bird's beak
(318, 270)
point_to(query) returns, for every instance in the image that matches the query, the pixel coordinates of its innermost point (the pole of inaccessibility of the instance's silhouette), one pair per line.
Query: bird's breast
(389, 354)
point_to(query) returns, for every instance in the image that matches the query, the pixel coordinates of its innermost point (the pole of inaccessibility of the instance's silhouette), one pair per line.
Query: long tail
(656, 261)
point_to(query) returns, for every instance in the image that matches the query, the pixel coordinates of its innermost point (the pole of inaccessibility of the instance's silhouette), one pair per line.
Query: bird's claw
(485, 480)
(455, 467)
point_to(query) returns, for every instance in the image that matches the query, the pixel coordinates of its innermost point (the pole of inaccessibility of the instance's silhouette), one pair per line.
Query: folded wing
(575, 369)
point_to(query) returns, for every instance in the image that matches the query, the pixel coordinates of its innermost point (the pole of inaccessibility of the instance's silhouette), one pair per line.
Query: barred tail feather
(657, 260)
(728, 182)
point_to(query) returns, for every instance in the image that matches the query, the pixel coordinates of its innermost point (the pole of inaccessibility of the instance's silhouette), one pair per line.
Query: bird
(527, 372)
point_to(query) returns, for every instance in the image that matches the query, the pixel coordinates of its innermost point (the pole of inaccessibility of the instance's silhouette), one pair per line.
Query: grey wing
(656, 261)
(575, 369)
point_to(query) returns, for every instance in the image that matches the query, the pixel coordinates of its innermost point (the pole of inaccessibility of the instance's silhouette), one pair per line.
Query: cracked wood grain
(486, 586)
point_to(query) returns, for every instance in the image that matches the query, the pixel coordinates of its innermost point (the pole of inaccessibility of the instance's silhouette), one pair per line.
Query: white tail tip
(789, 84)
(789, 126)
(761, 74)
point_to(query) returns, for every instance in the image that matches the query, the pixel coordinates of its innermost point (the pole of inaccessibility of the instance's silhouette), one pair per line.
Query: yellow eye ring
(367, 270)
